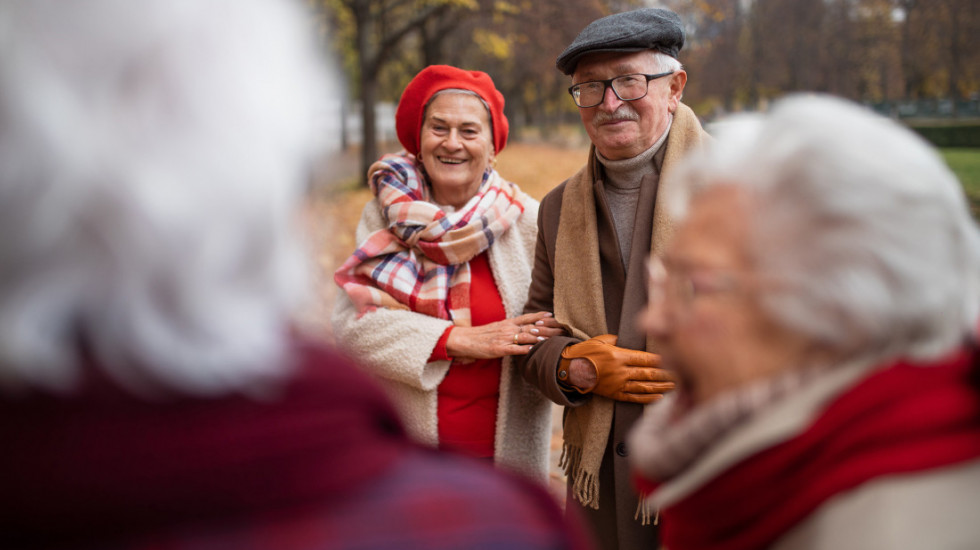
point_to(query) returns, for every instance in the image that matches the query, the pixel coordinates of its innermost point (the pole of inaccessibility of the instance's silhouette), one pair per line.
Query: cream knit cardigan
(395, 345)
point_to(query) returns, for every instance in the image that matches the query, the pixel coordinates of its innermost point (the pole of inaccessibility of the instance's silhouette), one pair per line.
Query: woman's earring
(493, 163)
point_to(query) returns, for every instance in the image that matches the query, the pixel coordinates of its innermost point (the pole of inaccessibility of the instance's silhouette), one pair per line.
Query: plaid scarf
(421, 261)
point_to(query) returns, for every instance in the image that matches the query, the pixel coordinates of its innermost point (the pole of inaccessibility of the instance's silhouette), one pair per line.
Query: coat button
(621, 449)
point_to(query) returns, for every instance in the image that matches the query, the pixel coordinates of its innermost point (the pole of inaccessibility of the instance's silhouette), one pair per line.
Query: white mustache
(624, 112)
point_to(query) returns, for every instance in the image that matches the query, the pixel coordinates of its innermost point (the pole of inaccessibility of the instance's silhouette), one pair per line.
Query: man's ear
(677, 82)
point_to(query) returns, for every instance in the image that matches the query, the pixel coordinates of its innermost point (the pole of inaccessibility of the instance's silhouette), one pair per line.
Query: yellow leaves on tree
(493, 44)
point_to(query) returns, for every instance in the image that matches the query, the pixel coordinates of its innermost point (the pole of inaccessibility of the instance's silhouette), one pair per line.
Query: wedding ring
(515, 337)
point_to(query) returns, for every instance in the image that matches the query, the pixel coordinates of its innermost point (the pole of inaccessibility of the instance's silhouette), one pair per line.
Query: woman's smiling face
(456, 146)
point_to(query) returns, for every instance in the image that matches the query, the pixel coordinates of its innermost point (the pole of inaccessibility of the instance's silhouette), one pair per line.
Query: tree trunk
(909, 71)
(367, 87)
(369, 141)
(344, 130)
(954, 55)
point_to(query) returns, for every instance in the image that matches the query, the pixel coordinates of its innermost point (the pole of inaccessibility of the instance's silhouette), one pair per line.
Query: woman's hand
(508, 337)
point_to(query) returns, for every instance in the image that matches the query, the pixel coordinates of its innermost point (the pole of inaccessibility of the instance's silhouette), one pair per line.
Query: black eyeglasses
(629, 87)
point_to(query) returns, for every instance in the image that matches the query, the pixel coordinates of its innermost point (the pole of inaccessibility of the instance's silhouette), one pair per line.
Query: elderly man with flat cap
(596, 231)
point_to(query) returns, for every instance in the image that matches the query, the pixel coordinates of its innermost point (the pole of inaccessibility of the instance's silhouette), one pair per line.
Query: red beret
(411, 107)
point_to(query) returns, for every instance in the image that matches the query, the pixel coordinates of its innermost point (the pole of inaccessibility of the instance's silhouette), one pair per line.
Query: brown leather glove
(621, 374)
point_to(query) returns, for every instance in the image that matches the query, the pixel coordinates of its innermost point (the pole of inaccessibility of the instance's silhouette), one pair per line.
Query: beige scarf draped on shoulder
(579, 304)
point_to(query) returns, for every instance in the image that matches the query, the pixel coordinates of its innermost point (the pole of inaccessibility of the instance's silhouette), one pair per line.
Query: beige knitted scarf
(577, 275)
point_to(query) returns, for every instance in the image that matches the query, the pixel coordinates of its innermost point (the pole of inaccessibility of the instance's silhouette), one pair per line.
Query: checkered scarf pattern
(421, 261)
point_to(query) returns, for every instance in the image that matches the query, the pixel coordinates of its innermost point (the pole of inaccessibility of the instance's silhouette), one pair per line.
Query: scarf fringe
(642, 513)
(585, 485)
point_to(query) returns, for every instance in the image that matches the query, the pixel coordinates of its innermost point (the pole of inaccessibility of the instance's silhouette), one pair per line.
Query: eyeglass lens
(664, 286)
(627, 88)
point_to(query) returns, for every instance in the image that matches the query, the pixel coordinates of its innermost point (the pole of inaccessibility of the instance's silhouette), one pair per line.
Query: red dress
(468, 396)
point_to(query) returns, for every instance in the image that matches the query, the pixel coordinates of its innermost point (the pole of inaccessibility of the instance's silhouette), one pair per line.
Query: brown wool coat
(578, 273)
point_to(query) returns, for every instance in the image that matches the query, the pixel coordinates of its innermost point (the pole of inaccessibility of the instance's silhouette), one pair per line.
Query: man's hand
(598, 366)
(581, 374)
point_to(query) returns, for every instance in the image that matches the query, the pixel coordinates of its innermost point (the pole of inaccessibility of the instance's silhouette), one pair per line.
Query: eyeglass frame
(658, 276)
(607, 84)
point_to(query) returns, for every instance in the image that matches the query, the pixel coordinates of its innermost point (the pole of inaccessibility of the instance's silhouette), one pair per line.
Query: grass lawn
(966, 164)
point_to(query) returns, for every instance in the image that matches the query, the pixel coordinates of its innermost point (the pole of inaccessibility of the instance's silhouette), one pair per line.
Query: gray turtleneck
(622, 189)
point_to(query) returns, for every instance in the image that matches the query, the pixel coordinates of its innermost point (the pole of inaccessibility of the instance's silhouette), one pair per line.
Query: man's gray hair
(665, 63)
(153, 155)
(863, 226)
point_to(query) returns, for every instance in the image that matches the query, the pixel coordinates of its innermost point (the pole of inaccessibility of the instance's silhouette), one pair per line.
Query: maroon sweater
(321, 463)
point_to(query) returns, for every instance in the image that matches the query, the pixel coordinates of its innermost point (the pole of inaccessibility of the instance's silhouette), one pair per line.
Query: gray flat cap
(631, 31)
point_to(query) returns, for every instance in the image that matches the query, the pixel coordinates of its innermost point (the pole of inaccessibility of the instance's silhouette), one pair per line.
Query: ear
(677, 82)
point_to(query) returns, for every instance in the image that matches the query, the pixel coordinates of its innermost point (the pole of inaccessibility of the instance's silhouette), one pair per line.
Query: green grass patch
(965, 163)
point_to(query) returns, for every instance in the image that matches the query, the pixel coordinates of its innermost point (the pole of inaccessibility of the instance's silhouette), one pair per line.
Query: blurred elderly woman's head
(814, 235)
(153, 153)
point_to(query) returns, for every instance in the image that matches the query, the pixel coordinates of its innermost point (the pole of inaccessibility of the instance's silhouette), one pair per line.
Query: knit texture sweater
(622, 188)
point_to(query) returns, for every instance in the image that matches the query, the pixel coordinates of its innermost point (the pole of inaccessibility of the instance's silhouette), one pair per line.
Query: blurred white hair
(862, 223)
(152, 156)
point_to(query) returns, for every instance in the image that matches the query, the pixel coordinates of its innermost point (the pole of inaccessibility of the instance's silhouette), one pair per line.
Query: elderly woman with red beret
(433, 294)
